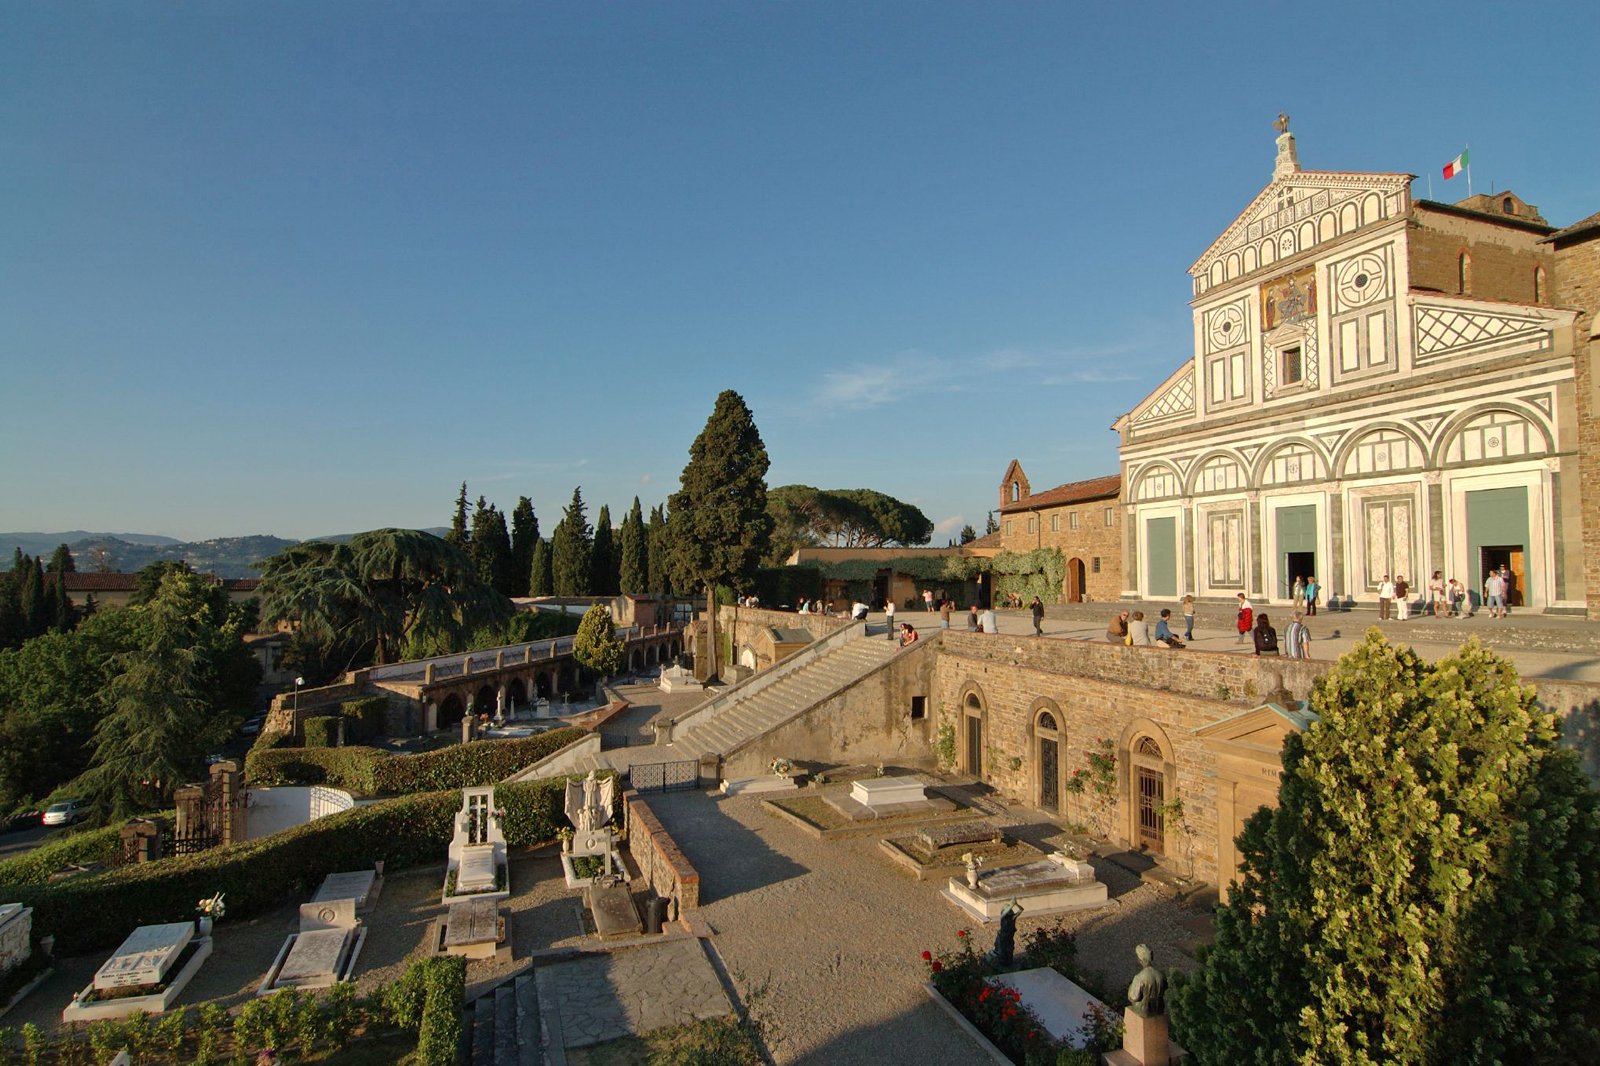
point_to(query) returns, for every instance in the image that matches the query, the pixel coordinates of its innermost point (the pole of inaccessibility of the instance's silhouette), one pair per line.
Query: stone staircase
(767, 708)
(501, 1026)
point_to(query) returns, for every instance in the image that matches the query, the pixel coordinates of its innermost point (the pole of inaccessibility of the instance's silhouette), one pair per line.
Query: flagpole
(1468, 153)
(1430, 184)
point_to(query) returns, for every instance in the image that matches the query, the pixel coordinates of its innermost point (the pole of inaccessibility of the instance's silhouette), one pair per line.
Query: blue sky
(300, 268)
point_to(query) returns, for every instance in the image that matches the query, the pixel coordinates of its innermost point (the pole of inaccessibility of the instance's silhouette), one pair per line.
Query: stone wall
(660, 861)
(1577, 284)
(1502, 258)
(1092, 540)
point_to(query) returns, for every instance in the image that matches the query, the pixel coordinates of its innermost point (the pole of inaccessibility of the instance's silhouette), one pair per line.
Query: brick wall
(1577, 284)
(660, 861)
(1503, 258)
(1091, 540)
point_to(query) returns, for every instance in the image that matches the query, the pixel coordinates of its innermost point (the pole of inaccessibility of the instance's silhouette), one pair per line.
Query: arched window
(1148, 746)
(1047, 721)
(1463, 274)
(1538, 285)
(1016, 491)
(1508, 206)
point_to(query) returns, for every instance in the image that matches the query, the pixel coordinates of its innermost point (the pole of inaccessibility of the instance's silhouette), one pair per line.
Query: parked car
(67, 813)
(252, 726)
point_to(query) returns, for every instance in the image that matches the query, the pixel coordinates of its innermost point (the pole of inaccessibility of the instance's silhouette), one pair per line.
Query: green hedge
(97, 911)
(366, 718)
(83, 847)
(322, 731)
(444, 985)
(371, 771)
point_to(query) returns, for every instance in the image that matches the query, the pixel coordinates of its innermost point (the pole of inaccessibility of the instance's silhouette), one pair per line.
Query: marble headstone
(16, 925)
(145, 956)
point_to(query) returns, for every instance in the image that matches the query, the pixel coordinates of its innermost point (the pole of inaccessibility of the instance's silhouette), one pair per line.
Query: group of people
(1446, 599)
(1258, 630)
(1133, 629)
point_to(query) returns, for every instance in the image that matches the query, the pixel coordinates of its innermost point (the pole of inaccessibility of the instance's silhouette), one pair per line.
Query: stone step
(483, 1031)
(505, 1025)
(527, 996)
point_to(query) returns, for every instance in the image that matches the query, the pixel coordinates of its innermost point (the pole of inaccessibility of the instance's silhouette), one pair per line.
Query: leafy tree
(383, 589)
(968, 534)
(458, 521)
(718, 529)
(655, 542)
(1425, 891)
(147, 579)
(633, 554)
(491, 550)
(49, 691)
(541, 580)
(524, 533)
(13, 623)
(603, 556)
(802, 516)
(569, 549)
(596, 646)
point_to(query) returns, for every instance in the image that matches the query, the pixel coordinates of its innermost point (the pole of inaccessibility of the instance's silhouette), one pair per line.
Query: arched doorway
(972, 735)
(483, 702)
(636, 660)
(516, 694)
(541, 686)
(1075, 579)
(1047, 750)
(1148, 780)
(451, 711)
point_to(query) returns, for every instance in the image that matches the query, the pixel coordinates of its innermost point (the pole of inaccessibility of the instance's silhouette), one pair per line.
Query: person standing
(1264, 636)
(1298, 593)
(1313, 590)
(1297, 638)
(1510, 590)
(888, 609)
(1037, 607)
(927, 600)
(1436, 604)
(1385, 597)
(945, 607)
(1454, 593)
(1494, 594)
(1402, 598)
(1245, 619)
(1188, 617)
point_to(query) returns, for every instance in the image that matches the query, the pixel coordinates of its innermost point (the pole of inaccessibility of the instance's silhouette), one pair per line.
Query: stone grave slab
(329, 914)
(475, 929)
(950, 834)
(1053, 885)
(145, 956)
(613, 910)
(314, 959)
(763, 783)
(363, 886)
(878, 792)
(1059, 1002)
(477, 870)
(16, 926)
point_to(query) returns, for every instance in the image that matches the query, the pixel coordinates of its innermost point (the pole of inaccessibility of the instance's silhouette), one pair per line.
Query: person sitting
(1117, 628)
(858, 611)
(1164, 637)
(1265, 637)
(908, 634)
(1138, 630)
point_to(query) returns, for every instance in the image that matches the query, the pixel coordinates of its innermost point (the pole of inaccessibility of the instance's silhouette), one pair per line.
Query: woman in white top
(1139, 630)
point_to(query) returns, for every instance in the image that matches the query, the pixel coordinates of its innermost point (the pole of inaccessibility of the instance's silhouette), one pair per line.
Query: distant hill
(344, 538)
(127, 552)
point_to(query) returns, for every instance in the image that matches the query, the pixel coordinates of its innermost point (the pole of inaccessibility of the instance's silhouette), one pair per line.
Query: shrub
(444, 981)
(366, 718)
(83, 847)
(352, 768)
(322, 731)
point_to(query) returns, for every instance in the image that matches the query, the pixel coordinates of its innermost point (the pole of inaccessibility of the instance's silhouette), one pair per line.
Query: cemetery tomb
(363, 886)
(879, 792)
(1053, 885)
(589, 806)
(142, 974)
(477, 858)
(475, 929)
(323, 952)
(16, 926)
(613, 911)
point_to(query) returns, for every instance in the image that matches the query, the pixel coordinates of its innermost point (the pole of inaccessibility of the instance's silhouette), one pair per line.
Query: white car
(66, 813)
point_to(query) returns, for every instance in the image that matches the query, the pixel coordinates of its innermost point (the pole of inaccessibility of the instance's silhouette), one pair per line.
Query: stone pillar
(430, 716)
(427, 674)
(231, 821)
(141, 840)
(466, 729)
(500, 659)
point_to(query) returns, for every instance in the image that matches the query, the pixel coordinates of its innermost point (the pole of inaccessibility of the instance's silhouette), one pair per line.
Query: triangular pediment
(1173, 398)
(1262, 727)
(1314, 196)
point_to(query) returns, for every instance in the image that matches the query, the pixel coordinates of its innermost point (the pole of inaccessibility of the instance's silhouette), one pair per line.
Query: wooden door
(1519, 578)
(1152, 794)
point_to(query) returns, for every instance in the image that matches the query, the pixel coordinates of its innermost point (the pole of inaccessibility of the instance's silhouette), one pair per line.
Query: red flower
(1009, 1013)
(937, 965)
(927, 956)
(961, 932)
(984, 994)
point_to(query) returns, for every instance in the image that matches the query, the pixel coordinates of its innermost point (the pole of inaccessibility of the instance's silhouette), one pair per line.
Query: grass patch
(711, 1042)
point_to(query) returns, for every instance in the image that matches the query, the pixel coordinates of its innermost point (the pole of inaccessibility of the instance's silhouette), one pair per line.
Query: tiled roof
(1097, 488)
(988, 540)
(1592, 222)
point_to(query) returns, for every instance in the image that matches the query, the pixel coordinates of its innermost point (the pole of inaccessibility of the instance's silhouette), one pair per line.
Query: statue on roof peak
(1282, 125)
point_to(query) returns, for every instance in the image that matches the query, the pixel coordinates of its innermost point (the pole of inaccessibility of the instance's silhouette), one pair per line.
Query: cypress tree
(491, 549)
(718, 528)
(458, 521)
(569, 549)
(34, 599)
(655, 534)
(524, 532)
(61, 561)
(633, 561)
(541, 582)
(603, 556)
(60, 603)
(13, 624)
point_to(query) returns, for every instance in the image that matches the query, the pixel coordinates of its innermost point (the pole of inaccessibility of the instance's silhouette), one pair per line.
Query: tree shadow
(730, 858)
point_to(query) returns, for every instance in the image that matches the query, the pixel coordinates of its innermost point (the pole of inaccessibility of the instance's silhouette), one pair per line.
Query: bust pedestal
(1145, 1042)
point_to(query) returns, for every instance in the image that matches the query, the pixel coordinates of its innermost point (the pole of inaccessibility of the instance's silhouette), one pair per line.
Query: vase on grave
(203, 925)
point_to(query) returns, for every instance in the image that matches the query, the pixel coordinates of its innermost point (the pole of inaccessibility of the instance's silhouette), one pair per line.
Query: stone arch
(1251, 258)
(1302, 445)
(1148, 778)
(1349, 451)
(651, 654)
(636, 659)
(1463, 272)
(1049, 749)
(1234, 264)
(1537, 440)
(1286, 247)
(1327, 227)
(1197, 474)
(1157, 481)
(543, 685)
(516, 693)
(1217, 272)
(1307, 235)
(972, 731)
(451, 710)
(1371, 208)
(1073, 582)
(1349, 218)
(483, 700)
(1269, 252)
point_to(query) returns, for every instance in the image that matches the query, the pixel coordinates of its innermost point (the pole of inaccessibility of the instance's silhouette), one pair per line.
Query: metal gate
(1152, 794)
(665, 776)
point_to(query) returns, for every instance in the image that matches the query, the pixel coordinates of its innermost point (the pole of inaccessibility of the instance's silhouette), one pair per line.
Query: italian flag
(1455, 166)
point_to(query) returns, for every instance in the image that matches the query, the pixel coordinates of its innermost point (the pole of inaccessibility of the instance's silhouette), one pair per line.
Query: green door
(1297, 545)
(1161, 557)
(1496, 518)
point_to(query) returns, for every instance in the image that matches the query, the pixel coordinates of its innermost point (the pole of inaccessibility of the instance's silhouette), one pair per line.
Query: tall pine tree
(61, 561)
(655, 543)
(491, 549)
(719, 528)
(569, 549)
(458, 521)
(541, 581)
(632, 554)
(524, 532)
(603, 556)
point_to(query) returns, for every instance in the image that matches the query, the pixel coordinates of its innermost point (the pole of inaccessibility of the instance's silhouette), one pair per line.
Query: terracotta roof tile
(1097, 488)
(1592, 222)
(988, 540)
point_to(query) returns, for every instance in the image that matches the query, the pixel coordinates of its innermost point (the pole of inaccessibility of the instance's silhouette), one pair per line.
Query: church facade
(1378, 386)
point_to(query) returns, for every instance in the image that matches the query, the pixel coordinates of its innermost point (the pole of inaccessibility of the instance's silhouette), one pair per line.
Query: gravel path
(822, 938)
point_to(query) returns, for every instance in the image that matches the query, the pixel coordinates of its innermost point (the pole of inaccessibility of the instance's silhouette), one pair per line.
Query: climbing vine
(1041, 572)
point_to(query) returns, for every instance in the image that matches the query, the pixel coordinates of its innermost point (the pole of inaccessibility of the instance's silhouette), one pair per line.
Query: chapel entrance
(1514, 558)
(1302, 565)
(1075, 578)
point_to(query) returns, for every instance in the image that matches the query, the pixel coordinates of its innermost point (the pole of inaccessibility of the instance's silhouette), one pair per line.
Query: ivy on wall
(1041, 572)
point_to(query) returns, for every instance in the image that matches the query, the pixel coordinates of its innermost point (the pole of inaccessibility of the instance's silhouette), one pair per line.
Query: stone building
(1083, 519)
(1379, 385)
(1576, 283)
